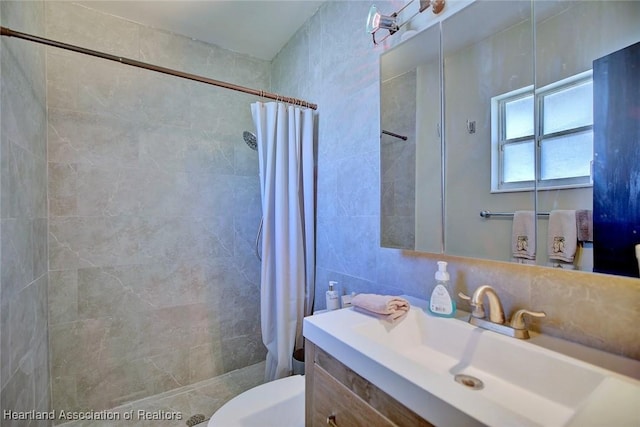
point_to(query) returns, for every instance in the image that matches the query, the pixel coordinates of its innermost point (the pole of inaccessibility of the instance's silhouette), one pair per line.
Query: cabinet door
(331, 398)
(616, 168)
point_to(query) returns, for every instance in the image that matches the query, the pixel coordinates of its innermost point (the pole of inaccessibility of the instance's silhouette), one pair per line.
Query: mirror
(570, 36)
(493, 95)
(481, 64)
(410, 144)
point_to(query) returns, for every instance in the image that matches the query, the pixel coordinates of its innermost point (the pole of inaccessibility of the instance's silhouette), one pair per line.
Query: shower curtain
(286, 158)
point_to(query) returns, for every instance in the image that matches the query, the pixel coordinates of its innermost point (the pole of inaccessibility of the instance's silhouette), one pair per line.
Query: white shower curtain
(286, 157)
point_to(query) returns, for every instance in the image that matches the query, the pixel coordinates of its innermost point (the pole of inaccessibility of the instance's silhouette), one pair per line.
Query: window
(564, 137)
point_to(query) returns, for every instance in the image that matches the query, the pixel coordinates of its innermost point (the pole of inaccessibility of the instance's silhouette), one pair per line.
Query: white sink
(523, 384)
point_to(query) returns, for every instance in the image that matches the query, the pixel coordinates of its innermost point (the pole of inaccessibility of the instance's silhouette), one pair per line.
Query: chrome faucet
(516, 327)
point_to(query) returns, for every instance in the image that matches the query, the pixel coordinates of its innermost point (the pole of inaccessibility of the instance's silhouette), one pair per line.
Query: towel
(523, 235)
(562, 265)
(386, 307)
(584, 222)
(562, 238)
(391, 318)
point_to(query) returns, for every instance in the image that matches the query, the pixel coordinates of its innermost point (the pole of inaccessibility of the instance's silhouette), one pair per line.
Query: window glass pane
(518, 162)
(567, 156)
(569, 108)
(519, 117)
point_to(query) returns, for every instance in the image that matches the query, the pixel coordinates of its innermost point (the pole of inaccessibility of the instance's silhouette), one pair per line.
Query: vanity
(424, 371)
(339, 393)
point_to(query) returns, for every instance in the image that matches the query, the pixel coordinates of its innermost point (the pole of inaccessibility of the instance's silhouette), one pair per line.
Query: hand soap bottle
(441, 303)
(333, 302)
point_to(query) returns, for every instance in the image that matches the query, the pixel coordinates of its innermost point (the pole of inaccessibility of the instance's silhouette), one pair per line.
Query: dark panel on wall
(616, 169)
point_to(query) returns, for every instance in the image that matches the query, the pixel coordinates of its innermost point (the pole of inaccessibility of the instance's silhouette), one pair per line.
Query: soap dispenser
(333, 302)
(441, 303)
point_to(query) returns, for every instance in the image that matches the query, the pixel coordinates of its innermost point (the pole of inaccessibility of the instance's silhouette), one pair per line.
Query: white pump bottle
(441, 303)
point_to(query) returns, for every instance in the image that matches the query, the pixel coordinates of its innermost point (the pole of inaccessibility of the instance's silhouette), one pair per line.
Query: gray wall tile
(24, 372)
(154, 199)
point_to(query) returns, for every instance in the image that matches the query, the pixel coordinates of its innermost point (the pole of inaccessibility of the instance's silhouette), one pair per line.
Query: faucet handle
(517, 320)
(478, 307)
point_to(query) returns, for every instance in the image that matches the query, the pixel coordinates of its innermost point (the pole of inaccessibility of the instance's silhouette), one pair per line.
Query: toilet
(278, 403)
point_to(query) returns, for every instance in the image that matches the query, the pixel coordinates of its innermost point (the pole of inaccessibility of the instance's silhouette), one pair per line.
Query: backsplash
(593, 309)
(339, 70)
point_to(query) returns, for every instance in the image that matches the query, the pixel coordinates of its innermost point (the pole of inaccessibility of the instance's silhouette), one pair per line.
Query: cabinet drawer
(331, 398)
(392, 412)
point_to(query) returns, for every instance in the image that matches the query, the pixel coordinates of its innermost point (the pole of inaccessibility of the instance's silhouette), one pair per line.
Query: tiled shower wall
(333, 62)
(398, 171)
(24, 378)
(154, 202)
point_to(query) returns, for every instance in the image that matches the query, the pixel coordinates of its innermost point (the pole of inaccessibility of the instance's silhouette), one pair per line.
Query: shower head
(250, 139)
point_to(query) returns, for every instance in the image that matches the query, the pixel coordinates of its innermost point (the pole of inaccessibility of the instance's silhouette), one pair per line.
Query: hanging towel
(386, 307)
(584, 222)
(562, 238)
(523, 236)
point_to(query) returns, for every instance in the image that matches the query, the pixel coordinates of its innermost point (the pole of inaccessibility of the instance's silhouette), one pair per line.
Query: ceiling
(259, 28)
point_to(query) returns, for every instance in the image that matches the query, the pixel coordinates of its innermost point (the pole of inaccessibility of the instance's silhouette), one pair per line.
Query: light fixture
(377, 21)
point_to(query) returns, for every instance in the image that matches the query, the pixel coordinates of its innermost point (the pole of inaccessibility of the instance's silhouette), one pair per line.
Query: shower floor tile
(204, 398)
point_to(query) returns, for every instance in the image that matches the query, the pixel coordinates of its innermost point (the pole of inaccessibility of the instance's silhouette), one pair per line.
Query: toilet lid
(277, 403)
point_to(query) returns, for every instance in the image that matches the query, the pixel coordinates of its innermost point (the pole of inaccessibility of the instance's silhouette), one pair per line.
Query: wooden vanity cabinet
(336, 394)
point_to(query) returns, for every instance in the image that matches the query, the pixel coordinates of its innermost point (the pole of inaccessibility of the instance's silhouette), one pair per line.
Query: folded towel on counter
(523, 235)
(584, 222)
(391, 318)
(386, 307)
(562, 237)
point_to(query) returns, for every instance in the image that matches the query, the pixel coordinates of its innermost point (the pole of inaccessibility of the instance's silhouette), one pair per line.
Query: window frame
(560, 183)
(498, 140)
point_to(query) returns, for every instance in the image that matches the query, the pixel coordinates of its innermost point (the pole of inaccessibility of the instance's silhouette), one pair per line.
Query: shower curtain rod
(4, 31)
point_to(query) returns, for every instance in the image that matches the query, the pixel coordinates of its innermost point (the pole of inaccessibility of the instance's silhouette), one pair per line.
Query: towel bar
(489, 214)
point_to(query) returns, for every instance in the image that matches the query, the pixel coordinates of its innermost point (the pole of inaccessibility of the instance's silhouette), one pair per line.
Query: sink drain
(468, 381)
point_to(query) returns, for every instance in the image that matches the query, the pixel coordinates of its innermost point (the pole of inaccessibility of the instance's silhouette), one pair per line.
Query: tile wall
(154, 205)
(398, 171)
(24, 377)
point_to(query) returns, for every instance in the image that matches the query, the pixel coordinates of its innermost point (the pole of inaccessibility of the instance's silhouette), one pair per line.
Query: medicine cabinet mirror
(578, 46)
(410, 144)
(497, 102)
(482, 62)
